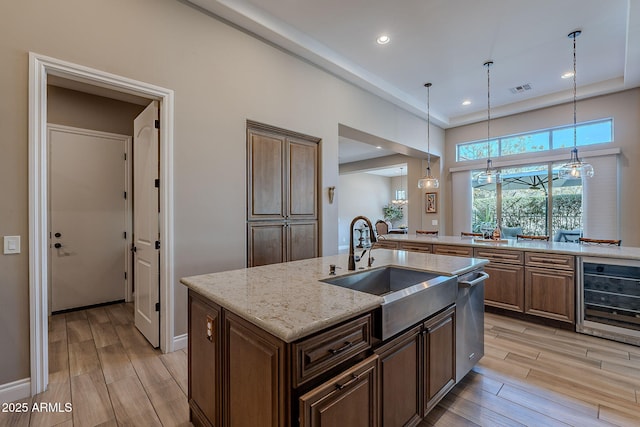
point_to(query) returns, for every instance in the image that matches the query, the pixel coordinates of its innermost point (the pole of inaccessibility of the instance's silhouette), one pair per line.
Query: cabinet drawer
(556, 261)
(322, 352)
(453, 250)
(500, 255)
(386, 244)
(415, 247)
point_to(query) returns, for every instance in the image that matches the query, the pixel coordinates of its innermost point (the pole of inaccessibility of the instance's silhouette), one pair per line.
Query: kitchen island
(274, 345)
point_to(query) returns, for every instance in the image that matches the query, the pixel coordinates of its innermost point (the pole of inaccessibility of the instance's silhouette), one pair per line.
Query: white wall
(360, 194)
(623, 107)
(221, 77)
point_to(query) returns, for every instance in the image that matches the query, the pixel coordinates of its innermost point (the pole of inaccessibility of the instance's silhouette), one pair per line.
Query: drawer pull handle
(353, 379)
(346, 345)
(548, 260)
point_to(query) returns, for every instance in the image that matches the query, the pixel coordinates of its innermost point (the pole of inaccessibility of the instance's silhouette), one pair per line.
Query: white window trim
(521, 160)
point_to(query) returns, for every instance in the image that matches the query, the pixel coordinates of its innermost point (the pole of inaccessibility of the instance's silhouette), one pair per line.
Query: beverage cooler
(609, 298)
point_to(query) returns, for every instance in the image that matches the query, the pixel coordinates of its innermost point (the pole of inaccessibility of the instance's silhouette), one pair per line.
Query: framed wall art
(431, 202)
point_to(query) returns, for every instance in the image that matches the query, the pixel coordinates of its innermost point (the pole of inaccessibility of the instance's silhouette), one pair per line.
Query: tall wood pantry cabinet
(282, 195)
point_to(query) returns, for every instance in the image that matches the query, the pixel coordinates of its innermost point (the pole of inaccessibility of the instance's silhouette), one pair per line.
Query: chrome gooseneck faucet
(352, 258)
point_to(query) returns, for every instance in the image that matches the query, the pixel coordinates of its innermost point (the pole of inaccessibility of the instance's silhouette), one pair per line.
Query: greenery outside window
(531, 200)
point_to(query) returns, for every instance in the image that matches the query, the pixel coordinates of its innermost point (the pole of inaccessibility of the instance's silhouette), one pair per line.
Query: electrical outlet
(434, 222)
(210, 328)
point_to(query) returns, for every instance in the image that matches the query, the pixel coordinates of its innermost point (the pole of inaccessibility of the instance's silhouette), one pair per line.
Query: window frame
(497, 149)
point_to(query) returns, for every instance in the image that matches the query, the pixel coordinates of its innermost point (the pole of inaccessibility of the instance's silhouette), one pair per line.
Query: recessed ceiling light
(466, 102)
(567, 75)
(383, 39)
(379, 147)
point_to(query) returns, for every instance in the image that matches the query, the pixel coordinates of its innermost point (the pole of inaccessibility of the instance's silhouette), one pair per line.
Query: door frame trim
(40, 67)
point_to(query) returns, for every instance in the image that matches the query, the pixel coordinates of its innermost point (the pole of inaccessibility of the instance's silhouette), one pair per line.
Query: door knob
(58, 235)
(57, 245)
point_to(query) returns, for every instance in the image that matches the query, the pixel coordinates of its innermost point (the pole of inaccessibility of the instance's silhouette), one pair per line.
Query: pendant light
(402, 200)
(489, 175)
(428, 181)
(575, 168)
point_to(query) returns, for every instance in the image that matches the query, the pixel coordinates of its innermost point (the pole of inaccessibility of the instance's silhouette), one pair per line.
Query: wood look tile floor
(101, 364)
(530, 375)
(533, 375)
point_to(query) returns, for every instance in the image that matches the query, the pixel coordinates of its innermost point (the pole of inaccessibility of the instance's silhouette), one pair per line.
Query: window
(587, 133)
(530, 200)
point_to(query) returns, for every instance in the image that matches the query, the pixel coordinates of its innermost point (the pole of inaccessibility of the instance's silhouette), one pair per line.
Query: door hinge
(125, 234)
(157, 244)
(125, 156)
(125, 195)
(125, 275)
(157, 306)
(157, 124)
(156, 183)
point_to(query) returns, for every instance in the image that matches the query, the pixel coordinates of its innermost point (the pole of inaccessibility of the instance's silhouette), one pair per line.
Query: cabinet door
(550, 293)
(302, 240)
(400, 380)
(439, 357)
(505, 286)
(204, 361)
(266, 181)
(349, 399)
(302, 179)
(266, 243)
(254, 383)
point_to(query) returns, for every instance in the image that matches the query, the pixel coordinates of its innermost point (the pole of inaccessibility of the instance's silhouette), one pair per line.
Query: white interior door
(146, 223)
(88, 217)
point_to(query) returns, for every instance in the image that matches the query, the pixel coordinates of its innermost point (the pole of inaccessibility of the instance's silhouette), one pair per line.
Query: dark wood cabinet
(319, 353)
(204, 361)
(505, 286)
(254, 376)
(453, 250)
(550, 293)
(241, 375)
(349, 399)
(301, 240)
(416, 247)
(386, 244)
(439, 345)
(282, 195)
(400, 378)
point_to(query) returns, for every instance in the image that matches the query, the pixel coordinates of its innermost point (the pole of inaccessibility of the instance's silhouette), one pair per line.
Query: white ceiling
(446, 42)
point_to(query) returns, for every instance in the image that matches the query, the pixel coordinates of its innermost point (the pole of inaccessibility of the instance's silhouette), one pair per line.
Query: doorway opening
(41, 68)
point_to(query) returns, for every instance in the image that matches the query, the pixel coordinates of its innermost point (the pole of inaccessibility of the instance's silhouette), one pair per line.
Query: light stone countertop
(619, 252)
(288, 300)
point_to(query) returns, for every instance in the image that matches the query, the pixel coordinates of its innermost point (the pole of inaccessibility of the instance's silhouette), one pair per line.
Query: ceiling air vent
(521, 88)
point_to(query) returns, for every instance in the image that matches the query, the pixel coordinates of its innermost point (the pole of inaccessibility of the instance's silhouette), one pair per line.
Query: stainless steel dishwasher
(469, 321)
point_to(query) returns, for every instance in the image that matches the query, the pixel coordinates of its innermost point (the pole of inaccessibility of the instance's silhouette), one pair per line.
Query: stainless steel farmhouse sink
(409, 295)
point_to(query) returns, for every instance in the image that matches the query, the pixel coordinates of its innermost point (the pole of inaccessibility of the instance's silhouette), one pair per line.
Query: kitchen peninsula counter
(289, 301)
(568, 248)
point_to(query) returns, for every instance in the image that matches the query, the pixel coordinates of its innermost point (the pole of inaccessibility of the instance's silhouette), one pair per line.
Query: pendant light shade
(428, 181)
(490, 175)
(401, 198)
(575, 168)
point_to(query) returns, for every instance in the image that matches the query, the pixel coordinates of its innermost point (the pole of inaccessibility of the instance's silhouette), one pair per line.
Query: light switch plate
(434, 222)
(11, 245)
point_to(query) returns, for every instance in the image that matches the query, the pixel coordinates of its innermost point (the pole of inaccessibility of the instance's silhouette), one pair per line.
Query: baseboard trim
(10, 392)
(180, 342)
